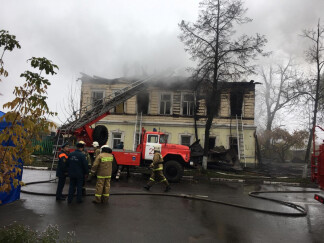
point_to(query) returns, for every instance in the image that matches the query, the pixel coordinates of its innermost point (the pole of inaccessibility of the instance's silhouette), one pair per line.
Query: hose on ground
(301, 210)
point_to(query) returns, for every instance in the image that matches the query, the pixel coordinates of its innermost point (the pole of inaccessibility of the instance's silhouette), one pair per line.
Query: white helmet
(104, 146)
(157, 148)
(95, 144)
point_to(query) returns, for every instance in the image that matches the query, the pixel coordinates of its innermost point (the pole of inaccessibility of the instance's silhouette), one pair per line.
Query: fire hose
(301, 211)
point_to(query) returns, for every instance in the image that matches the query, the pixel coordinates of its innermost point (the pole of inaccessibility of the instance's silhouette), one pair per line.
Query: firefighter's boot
(167, 188)
(147, 187)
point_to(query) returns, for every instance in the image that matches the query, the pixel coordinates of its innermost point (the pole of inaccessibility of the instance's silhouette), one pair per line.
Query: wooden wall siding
(202, 108)
(249, 103)
(176, 104)
(154, 93)
(155, 97)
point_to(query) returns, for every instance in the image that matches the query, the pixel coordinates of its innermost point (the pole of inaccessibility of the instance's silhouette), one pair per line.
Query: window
(188, 105)
(236, 103)
(165, 104)
(164, 138)
(96, 97)
(152, 138)
(116, 139)
(211, 142)
(185, 140)
(142, 102)
(120, 108)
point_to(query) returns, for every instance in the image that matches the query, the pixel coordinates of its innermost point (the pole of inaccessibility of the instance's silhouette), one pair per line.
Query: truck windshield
(163, 138)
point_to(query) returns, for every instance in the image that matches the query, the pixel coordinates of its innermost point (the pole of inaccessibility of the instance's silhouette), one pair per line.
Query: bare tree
(279, 91)
(314, 54)
(219, 55)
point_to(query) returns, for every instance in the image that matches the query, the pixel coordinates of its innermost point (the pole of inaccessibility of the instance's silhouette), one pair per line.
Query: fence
(46, 147)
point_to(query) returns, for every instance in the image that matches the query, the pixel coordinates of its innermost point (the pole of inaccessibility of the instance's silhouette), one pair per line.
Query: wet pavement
(166, 219)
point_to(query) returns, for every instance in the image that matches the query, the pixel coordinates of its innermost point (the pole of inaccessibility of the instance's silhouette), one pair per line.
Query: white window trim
(181, 101)
(96, 90)
(125, 107)
(111, 140)
(186, 134)
(171, 103)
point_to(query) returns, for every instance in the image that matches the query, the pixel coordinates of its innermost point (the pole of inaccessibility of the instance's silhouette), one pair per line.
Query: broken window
(188, 104)
(116, 139)
(211, 142)
(143, 102)
(120, 108)
(185, 140)
(96, 97)
(165, 104)
(236, 103)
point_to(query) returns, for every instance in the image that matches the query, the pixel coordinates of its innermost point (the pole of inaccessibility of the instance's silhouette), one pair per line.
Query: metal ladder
(240, 139)
(137, 130)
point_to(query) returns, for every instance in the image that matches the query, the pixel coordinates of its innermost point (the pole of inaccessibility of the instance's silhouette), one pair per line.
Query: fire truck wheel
(100, 134)
(173, 171)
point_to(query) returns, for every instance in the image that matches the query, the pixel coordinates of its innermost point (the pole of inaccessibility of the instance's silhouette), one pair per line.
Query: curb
(36, 168)
(281, 183)
(226, 180)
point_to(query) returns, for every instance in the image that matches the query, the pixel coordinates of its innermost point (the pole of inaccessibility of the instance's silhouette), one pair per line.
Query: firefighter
(95, 144)
(102, 168)
(157, 170)
(61, 171)
(78, 171)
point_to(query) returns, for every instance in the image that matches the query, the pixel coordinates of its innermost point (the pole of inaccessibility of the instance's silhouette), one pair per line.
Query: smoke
(124, 38)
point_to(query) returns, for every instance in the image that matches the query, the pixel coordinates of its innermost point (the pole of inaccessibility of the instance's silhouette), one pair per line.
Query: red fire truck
(175, 156)
(317, 166)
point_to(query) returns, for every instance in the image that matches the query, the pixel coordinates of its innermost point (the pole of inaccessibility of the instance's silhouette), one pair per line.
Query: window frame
(160, 101)
(96, 91)
(188, 103)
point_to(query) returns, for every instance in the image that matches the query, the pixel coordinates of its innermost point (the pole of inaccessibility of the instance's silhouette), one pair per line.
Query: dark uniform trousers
(75, 183)
(60, 186)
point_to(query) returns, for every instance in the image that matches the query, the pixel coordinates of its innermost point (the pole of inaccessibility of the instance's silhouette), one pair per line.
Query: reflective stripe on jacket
(102, 166)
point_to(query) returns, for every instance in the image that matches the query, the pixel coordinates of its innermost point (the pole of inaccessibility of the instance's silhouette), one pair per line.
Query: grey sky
(108, 38)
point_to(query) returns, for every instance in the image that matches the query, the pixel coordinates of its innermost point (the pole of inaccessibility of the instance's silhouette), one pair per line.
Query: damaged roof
(169, 82)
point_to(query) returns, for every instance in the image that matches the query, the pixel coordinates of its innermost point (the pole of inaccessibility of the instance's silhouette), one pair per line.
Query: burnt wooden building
(169, 105)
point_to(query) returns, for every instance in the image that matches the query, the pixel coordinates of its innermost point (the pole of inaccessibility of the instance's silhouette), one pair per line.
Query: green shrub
(17, 233)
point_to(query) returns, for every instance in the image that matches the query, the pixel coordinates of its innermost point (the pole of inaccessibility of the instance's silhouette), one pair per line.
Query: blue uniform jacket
(62, 164)
(77, 164)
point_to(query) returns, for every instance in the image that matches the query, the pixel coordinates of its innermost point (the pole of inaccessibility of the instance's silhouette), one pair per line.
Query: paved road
(166, 219)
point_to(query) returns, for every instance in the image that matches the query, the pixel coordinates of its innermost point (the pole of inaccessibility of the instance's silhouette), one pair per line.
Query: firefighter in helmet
(95, 144)
(157, 170)
(102, 167)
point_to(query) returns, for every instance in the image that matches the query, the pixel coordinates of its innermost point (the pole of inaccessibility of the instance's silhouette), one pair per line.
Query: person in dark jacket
(61, 171)
(78, 170)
